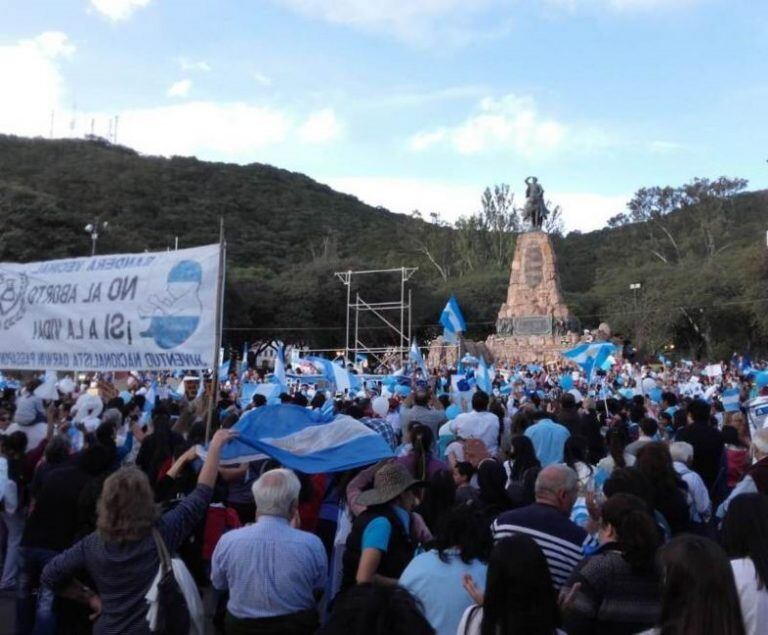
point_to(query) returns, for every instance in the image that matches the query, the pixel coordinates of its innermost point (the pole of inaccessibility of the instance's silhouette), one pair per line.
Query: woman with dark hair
(575, 457)
(745, 540)
(121, 556)
(699, 594)
(519, 598)
(421, 461)
(616, 440)
(491, 483)
(618, 588)
(158, 449)
(439, 496)
(461, 546)
(670, 493)
(522, 468)
(375, 609)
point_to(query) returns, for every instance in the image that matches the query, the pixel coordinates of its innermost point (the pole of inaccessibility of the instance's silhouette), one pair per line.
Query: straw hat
(388, 483)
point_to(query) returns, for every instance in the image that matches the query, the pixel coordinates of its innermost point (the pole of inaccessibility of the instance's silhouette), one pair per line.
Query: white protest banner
(149, 311)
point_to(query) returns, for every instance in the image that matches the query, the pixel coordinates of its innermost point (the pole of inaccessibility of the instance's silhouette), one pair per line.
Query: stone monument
(534, 324)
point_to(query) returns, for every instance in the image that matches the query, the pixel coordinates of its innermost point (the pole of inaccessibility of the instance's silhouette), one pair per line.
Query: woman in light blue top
(435, 577)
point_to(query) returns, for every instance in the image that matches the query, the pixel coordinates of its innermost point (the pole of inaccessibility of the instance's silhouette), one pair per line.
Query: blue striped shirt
(270, 569)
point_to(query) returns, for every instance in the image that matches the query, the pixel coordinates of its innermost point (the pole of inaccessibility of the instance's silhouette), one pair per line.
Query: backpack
(173, 613)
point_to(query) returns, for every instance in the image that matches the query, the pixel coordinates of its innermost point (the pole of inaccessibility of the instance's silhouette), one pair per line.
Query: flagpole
(219, 321)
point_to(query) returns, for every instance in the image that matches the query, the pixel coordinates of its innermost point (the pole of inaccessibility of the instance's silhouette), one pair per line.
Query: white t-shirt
(754, 601)
(478, 425)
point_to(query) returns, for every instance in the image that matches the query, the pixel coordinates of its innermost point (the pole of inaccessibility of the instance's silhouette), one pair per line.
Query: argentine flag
(294, 437)
(337, 375)
(417, 359)
(730, 399)
(484, 377)
(223, 372)
(452, 320)
(279, 372)
(590, 355)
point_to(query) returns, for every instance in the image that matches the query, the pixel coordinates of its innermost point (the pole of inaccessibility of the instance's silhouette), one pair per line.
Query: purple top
(433, 465)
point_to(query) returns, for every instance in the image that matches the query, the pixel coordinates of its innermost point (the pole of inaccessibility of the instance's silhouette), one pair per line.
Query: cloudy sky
(409, 104)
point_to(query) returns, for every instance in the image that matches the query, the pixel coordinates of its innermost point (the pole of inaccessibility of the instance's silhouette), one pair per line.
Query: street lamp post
(93, 230)
(635, 288)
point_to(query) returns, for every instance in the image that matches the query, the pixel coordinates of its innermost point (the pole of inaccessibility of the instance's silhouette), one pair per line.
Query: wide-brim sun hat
(388, 483)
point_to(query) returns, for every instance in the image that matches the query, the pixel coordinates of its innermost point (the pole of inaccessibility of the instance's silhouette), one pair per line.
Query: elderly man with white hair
(756, 477)
(698, 496)
(274, 572)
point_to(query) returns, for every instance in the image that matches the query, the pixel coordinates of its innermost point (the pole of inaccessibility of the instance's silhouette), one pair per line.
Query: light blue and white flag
(279, 373)
(223, 371)
(590, 355)
(149, 402)
(665, 360)
(298, 440)
(484, 377)
(244, 363)
(730, 399)
(416, 358)
(453, 321)
(337, 375)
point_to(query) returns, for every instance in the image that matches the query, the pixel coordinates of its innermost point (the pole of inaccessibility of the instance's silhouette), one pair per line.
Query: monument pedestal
(534, 324)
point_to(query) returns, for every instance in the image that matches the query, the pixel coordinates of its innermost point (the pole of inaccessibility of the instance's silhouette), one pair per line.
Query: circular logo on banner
(174, 315)
(533, 266)
(13, 287)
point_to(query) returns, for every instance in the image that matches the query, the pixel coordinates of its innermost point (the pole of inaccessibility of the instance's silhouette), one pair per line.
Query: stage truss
(354, 345)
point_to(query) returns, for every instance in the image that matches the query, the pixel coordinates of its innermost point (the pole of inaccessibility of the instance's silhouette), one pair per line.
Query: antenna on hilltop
(53, 112)
(117, 118)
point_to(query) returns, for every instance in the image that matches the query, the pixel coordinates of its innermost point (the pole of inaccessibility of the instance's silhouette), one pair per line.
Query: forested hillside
(699, 252)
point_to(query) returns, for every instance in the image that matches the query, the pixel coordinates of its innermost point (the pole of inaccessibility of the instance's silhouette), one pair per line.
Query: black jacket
(399, 551)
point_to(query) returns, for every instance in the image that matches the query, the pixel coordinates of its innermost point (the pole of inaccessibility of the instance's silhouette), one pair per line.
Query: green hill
(286, 235)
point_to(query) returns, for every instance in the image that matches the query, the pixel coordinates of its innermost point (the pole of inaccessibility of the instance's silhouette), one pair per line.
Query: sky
(408, 104)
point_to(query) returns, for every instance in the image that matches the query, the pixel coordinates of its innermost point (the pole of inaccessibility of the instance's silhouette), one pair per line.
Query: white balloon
(66, 385)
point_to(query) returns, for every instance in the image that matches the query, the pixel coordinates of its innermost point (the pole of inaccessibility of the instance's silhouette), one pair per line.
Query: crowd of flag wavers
(597, 494)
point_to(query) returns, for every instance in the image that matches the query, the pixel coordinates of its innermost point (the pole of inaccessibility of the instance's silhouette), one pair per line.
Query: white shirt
(478, 425)
(754, 601)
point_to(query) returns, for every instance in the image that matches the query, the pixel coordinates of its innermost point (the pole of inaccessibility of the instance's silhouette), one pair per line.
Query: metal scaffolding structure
(382, 310)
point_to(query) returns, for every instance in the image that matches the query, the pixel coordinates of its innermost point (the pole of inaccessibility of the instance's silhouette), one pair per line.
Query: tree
(429, 240)
(651, 205)
(619, 220)
(501, 220)
(711, 200)
(554, 224)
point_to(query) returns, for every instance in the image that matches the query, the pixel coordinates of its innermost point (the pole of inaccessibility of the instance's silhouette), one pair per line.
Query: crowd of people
(532, 508)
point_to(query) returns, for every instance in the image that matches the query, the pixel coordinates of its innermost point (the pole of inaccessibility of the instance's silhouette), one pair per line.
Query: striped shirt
(560, 539)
